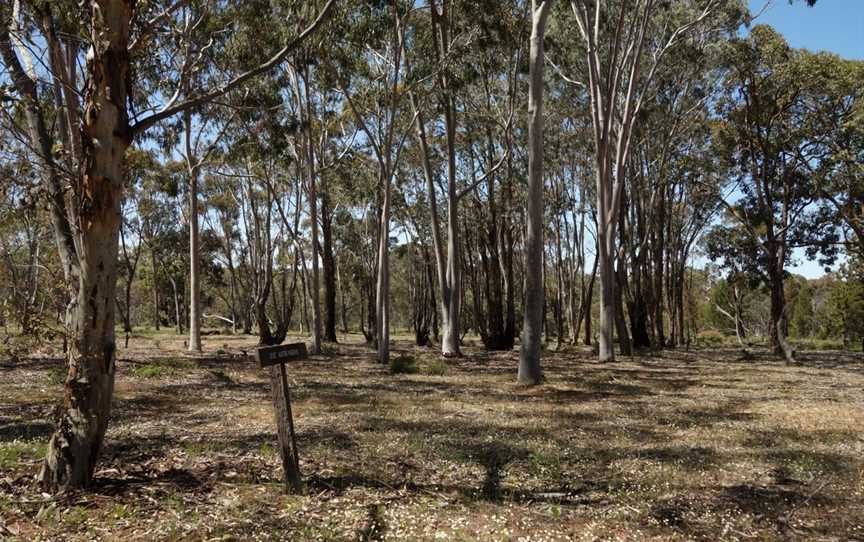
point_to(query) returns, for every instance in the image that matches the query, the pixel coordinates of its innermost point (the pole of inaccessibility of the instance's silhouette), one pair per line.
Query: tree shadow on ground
(28, 430)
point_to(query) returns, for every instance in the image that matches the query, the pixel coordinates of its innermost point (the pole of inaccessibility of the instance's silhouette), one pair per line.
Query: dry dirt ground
(670, 446)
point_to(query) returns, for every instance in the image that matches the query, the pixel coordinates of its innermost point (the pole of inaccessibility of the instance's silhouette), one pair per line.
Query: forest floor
(669, 446)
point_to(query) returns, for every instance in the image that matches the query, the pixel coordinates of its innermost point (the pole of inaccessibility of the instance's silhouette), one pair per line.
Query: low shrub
(436, 367)
(403, 364)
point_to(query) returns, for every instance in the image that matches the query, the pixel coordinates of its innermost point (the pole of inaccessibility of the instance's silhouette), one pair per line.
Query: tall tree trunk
(313, 219)
(343, 305)
(382, 295)
(155, 291)
(507, 248)
(606, 270)
(74, 448)
(194, 250)
(329, 266)
(529, 356)
(451, 295)
(659, 224)
(559, 294)
(588, 303)
(779, 324)
(495, 327)
(620, 319)
(178, 319)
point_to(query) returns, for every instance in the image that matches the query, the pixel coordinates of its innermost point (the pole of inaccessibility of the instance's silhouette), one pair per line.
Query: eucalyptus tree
(772, 135)
(375, 104)
(670, 149)
(529, 355)
(622, 48)
(445, 52)
(839, 171)
(87, 223)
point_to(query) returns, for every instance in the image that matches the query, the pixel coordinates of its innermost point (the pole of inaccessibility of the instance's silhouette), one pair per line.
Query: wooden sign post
(275, 357)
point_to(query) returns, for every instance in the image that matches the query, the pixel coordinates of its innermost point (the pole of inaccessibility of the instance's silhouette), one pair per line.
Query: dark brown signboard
(275, 357)
(283, 353)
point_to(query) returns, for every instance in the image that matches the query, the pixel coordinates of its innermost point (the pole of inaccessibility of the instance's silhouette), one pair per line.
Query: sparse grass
(57, 374)
(161, 368)
(151, 370)
(15, 452)
(681, 445)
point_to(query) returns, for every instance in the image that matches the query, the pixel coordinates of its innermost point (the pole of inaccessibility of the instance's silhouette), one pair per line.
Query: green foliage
(403, 364)
(845, 312)
(802, 315)
(162, 368)
(12, 453)
(57, 374)
(150, 371)
(436, 367)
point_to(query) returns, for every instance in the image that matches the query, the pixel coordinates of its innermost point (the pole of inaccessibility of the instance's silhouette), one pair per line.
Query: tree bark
(529, 355)
(75, 445)
(382, 294)
(313, 218)
(779, 325)
(155, 291)
(329, 267)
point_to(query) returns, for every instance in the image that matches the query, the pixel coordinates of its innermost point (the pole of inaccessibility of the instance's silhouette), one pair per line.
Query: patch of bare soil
(672, 445)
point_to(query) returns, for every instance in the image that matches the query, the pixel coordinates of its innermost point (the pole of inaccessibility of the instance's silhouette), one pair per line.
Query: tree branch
(277, 59)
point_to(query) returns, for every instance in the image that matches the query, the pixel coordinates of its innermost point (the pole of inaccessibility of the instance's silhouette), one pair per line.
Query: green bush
(151, 370)
(57, 374)
(436, 367)
(403, 364)
(329, 350)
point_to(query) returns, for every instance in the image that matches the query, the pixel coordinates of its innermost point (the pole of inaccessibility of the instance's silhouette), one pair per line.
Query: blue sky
(831, 25)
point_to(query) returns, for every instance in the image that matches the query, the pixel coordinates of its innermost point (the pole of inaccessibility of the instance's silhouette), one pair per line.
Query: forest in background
(369, 166)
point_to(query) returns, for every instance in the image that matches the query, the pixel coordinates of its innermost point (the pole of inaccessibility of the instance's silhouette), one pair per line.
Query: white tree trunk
(313, 218)
(450, 337)
(382, 298)
(606, 270)
(529, 355)
(194, 244)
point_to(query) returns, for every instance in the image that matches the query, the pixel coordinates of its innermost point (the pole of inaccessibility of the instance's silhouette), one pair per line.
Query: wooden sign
(275, 358)
(282, 353)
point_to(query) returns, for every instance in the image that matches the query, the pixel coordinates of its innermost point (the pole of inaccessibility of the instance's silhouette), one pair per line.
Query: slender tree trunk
(659, 250)
(607, 298)
(589, 302)
(620, 318)
(740, 332)
(74, 448)
(178, 319)
(450, 341)
(529, 356)
(155, 291)
(451, 294)
(342, 303)
(313, 219)
(559, 294)
(329, 266)
(194, 250)
(382, 296)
